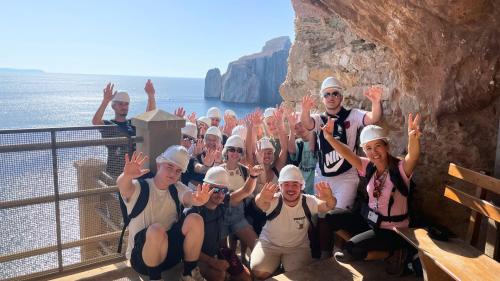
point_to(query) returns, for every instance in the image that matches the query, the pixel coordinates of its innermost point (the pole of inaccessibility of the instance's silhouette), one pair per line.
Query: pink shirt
(398, 208)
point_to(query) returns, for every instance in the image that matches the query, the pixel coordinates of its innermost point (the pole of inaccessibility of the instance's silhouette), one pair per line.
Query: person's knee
(357, 252)
(261, 274)
(156, 234)
(193, 223)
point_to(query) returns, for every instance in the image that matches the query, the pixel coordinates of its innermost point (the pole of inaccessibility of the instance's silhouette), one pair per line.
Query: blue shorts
(234, 220)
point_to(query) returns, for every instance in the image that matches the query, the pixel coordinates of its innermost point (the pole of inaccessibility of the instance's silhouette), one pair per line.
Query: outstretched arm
(414, 134)
(247, 189)
(281, 162)
(340, 147)
(131, 170)
(305, 115)
(150, 90)
(107, 97)
(374, 94)
(292, 120)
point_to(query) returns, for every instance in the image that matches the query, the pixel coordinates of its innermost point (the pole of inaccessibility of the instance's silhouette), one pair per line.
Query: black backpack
(140, 205)
(399, 185)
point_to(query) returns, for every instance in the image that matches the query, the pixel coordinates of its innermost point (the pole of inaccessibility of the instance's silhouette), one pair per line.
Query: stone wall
(432, 57)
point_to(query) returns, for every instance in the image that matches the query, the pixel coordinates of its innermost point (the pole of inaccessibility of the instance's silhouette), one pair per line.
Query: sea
(62, 100)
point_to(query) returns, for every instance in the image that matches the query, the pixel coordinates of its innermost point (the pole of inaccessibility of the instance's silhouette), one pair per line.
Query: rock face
(432, 57)
(213, 83)
(256, 78)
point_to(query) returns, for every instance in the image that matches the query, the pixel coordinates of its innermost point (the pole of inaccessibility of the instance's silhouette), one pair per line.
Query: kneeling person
(216, 262)
(284, 239)
(159, 237)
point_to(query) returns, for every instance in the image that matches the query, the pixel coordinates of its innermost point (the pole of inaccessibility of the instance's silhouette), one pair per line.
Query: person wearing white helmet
(189, 136)
(284, 238)
(120, 104)
(371, 234)
(159, 237)
(332, 167)
(217, 261)
(240, 131)
(215, 116)
(203, 123)
(230, 121)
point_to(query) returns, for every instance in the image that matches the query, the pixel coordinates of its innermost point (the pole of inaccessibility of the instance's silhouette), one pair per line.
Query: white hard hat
(217, 176)
(205, 120)
(235, 141)
(291, 173)
(214, 112)
(269, 112)
(121, 96)
(215, 131)
(231, 113)
(241, 131)
(265, 143)
(371, 133)
(330, 82)
(191, 130)
(175, 154)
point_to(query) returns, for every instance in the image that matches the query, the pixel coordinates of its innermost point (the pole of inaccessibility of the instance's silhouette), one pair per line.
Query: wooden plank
(432, 270)
(491, 246)
(455, 257)
(472, 234)
(484, 181)
(486, 208)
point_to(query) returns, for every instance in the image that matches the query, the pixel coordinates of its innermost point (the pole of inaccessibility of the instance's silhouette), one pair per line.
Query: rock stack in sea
(432, 57)
(254, 78)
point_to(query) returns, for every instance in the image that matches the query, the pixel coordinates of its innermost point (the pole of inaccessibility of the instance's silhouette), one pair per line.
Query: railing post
(87, 173)
(159, 130)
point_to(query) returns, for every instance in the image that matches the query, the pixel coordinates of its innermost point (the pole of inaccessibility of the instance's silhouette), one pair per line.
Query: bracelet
(253, 177)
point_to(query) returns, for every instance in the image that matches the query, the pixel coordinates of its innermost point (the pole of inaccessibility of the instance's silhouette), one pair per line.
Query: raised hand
(108, 93)
(209, 158)
(268, 191)
(414, 126)
(199, 146)
(256, 170)
(201, 194)
(218, 154)
(149, 88)
(180, 112)
(292, 118)
(328, 127)
(132, 168)
(259, 154)
(192, 117)
(308, 103)
(278, 120)
(374, 94)
(324, 192)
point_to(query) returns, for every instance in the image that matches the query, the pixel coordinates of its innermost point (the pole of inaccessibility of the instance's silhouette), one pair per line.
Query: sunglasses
(223, 190)
(235, 149)
(188, 138)
(333, 94)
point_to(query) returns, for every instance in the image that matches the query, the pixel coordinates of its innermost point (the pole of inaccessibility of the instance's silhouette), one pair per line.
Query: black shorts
(175, 251)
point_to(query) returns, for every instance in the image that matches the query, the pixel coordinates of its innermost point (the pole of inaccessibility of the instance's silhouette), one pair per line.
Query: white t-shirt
(236, 180)
(289, 228)
(160, 209)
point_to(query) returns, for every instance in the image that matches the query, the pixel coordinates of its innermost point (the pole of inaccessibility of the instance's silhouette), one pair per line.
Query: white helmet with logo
(235, 141)
(291, 173)
(175, 154)
(330, 82)
(265, 143)
(371, 133)
(217, 176)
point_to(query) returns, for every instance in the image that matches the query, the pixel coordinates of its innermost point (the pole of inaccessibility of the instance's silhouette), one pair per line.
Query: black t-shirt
(213, 221)
(190, 174)
(116, 153)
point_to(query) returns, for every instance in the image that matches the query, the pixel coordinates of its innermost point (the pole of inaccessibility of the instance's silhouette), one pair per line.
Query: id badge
(372, 216)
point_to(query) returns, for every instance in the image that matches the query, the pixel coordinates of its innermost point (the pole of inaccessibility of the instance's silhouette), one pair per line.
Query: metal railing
(55, 182)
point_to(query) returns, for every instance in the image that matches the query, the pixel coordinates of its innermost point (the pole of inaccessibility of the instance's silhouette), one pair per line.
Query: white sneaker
(195, 276)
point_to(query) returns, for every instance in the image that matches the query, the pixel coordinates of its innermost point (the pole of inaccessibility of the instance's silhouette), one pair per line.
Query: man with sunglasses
(332, 167)
(216, 261)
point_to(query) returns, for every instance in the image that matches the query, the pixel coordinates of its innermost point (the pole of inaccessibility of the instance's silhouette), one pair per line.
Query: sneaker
(343, 256)
(395, 264)
(195, 276)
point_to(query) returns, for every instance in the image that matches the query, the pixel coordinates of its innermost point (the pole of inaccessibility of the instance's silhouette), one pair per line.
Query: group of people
(279, 181)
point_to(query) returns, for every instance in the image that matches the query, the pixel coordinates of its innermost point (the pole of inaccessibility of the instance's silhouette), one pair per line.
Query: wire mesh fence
(58, 201)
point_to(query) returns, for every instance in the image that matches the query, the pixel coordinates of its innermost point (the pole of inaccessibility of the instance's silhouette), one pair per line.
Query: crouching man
(158, 236)
(284, 238)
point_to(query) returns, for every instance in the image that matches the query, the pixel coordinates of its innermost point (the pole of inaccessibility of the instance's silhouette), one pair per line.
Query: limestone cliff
(255, 78)
(213, 83)
(439, 58)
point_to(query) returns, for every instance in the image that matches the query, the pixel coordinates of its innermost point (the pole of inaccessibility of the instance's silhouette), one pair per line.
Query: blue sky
(179, 38)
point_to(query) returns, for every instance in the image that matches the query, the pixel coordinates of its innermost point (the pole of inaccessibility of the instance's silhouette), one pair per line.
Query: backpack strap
(244, 171)
(139, 206)
(275, 171)
(276, 210)
(306, 209)
(175, 196)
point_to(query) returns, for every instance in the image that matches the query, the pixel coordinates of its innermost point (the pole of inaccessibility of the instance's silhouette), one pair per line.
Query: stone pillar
(87, 173)
(159, 130)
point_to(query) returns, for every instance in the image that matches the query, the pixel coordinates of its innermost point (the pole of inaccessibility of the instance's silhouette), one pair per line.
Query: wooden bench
(457, 259)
